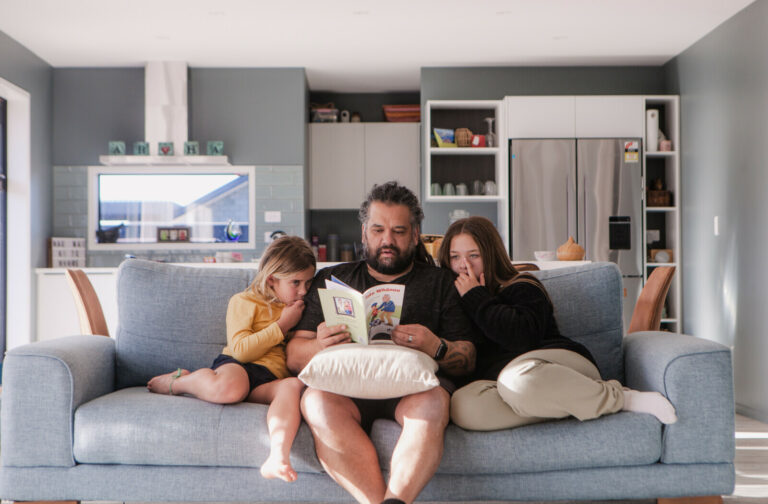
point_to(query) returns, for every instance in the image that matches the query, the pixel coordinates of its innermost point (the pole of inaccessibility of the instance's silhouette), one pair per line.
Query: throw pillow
(370, 371)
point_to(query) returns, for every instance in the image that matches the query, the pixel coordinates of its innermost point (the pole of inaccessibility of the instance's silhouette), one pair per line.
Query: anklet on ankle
(173, 379)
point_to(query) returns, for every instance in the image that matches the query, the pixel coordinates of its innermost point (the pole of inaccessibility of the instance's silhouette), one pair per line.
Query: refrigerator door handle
(584, 217)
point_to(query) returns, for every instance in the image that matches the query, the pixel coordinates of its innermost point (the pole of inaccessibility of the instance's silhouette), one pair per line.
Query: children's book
(370, 316)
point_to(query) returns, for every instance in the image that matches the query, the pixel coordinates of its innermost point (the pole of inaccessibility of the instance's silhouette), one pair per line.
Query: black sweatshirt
(518, 319)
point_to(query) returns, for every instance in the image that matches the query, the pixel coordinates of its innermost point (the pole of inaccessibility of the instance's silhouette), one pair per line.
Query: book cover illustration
(370, 316)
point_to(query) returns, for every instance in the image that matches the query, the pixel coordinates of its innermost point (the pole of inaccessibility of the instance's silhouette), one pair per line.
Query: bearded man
(432, 322)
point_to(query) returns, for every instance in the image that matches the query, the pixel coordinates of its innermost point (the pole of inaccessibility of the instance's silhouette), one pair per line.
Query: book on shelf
(370, 316)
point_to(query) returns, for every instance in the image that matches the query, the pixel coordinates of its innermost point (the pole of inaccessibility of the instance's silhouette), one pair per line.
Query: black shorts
(257, 374)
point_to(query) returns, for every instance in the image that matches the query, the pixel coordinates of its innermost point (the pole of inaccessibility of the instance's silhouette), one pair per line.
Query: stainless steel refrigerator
(590, 189)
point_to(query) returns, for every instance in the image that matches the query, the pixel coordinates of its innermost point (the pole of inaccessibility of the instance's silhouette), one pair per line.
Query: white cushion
(370, 371)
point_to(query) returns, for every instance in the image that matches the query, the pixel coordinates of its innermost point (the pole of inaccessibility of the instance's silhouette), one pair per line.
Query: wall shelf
(163, 160)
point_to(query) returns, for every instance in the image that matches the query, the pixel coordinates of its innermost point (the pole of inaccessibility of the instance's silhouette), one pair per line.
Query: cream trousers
(536, 386)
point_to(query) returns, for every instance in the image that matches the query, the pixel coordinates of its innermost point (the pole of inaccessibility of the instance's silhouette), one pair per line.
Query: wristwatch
(441, 350)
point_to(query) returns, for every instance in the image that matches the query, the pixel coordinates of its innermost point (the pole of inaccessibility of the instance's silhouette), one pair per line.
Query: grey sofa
(78, 422)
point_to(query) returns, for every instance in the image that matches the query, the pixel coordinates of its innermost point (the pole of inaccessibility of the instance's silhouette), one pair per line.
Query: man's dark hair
(392, 193)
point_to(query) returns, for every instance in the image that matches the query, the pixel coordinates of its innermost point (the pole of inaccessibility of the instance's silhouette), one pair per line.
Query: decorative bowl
(545, 255)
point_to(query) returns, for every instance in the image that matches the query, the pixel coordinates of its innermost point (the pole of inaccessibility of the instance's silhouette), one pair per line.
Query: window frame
(93, 206)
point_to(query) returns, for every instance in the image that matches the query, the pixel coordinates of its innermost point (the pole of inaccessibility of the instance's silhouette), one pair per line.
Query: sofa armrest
(43, 385)
(696, 375)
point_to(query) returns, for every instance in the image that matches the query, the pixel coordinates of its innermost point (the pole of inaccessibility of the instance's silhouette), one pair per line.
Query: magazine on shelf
(370, 316)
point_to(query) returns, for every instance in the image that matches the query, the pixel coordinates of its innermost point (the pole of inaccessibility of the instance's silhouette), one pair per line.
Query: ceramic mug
(461, 189)
(477, 187)
(490, 188)
(449, 189)
(435, 189)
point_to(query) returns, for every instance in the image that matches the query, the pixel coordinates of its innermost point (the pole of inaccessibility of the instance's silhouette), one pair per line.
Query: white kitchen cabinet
(345, 161)
(540, 116)
(56, 310)
(609, 116)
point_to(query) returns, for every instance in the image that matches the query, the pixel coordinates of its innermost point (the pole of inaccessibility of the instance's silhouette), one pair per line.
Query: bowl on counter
(545, 255)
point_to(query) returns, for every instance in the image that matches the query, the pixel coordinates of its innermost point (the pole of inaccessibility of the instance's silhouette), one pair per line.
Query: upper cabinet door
(337, 165)
(540, 116)
(609, 116)
(392, 153)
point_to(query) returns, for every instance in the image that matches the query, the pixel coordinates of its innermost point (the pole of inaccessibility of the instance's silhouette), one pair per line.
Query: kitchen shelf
(656, 265)
(468, 198)
(660, 209)
(464, 151)
(661, 154)
(163, 160)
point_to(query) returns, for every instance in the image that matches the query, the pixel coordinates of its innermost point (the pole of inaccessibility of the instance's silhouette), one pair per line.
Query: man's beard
(397, 264)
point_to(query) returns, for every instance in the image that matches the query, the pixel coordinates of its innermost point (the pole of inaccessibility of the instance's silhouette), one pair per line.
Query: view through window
(199, 208)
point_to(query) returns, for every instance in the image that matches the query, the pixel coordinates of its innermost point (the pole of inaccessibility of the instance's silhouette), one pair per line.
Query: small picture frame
(140, 148)
(165, 148)
(173, 234)
(116, 148)
(191, 148)
(215, 148)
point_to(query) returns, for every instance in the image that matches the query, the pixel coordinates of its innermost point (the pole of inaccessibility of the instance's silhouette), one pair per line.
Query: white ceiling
(361, 45)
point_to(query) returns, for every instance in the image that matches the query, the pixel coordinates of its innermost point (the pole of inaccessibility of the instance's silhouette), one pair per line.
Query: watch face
(441, 350)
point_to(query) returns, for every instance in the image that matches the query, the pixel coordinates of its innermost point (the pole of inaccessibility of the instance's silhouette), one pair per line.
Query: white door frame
(18, 324)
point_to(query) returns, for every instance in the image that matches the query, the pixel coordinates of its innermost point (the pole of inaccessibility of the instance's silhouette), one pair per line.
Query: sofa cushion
(587, 301)
(134, 426)
(621, 439)
(171, 316)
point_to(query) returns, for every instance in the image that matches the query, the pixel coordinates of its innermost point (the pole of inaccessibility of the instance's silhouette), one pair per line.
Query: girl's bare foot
(162, 384)
(275, 467)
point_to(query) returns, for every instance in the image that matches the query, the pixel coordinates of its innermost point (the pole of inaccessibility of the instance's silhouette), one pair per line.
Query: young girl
(252, 366)
(526, 370)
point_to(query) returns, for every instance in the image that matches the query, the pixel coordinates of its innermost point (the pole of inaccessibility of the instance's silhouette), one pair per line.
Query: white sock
(650, 402)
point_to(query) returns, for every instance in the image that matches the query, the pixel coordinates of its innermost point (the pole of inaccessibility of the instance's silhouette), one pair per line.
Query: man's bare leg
(343, 447)
(419, 450)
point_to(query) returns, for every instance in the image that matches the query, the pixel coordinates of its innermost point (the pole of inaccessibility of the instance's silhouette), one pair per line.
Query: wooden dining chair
(89, 310)
(520, 267)
(647, 313)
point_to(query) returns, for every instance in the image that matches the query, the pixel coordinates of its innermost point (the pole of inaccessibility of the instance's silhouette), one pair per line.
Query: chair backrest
(89, 311)
(647, 313)
(520, 267)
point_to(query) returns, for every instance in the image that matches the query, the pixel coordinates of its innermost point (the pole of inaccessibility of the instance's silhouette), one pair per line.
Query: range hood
(165, 105)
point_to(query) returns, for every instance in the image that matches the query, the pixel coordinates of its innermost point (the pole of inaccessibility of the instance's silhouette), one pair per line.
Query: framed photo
(173, 234)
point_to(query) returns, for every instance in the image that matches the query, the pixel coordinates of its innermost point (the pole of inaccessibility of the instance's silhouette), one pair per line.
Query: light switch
(272, 216)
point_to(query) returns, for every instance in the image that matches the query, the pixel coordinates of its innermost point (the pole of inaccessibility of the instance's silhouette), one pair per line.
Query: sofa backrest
(171, 316)
(587, 301)
(174, 316)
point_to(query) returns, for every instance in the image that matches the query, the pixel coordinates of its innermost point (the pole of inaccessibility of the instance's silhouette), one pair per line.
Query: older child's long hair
(497, 265)
(284, 256)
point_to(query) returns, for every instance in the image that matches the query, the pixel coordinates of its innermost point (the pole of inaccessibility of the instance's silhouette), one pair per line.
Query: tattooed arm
(459, 359)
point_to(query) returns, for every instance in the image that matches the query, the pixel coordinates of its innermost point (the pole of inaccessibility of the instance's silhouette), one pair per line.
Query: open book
(370, 316)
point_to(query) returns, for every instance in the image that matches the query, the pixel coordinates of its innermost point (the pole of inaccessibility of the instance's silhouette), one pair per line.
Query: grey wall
(24, 69)
(259, 113)
(723, 83)
(494, 83)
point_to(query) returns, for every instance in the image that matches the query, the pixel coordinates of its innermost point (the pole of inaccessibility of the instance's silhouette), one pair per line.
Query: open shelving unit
(664, 166)
(466, 165)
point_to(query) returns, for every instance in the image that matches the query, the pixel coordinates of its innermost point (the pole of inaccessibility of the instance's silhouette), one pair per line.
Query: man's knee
(431, 406)
(323, 409)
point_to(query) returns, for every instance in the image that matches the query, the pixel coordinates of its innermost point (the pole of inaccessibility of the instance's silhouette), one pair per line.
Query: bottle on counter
(321, 253)
(346, 253)
(314, 244)
(333, 247)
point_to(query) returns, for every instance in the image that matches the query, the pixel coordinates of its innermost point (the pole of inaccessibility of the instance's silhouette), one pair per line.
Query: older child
(526, 370)
(252, 366)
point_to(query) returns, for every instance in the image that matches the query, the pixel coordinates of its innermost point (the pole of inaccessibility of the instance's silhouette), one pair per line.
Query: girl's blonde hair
(283, 257)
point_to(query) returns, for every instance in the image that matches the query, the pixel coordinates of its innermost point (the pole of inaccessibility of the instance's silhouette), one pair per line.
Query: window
(192, 207)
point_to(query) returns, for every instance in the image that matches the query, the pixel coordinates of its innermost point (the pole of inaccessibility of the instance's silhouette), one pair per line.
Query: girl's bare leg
(224, 385)
(283, 419)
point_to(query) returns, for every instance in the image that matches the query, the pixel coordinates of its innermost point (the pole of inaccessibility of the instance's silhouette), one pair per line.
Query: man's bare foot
(162, 384)
(274, 467)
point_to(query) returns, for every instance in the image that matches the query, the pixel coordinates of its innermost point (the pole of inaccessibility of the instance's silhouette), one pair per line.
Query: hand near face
(290, 315)
(467, 280)
(332, 335)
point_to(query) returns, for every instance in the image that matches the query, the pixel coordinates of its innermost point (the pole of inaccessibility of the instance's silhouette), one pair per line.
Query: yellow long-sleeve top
(253, 334)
